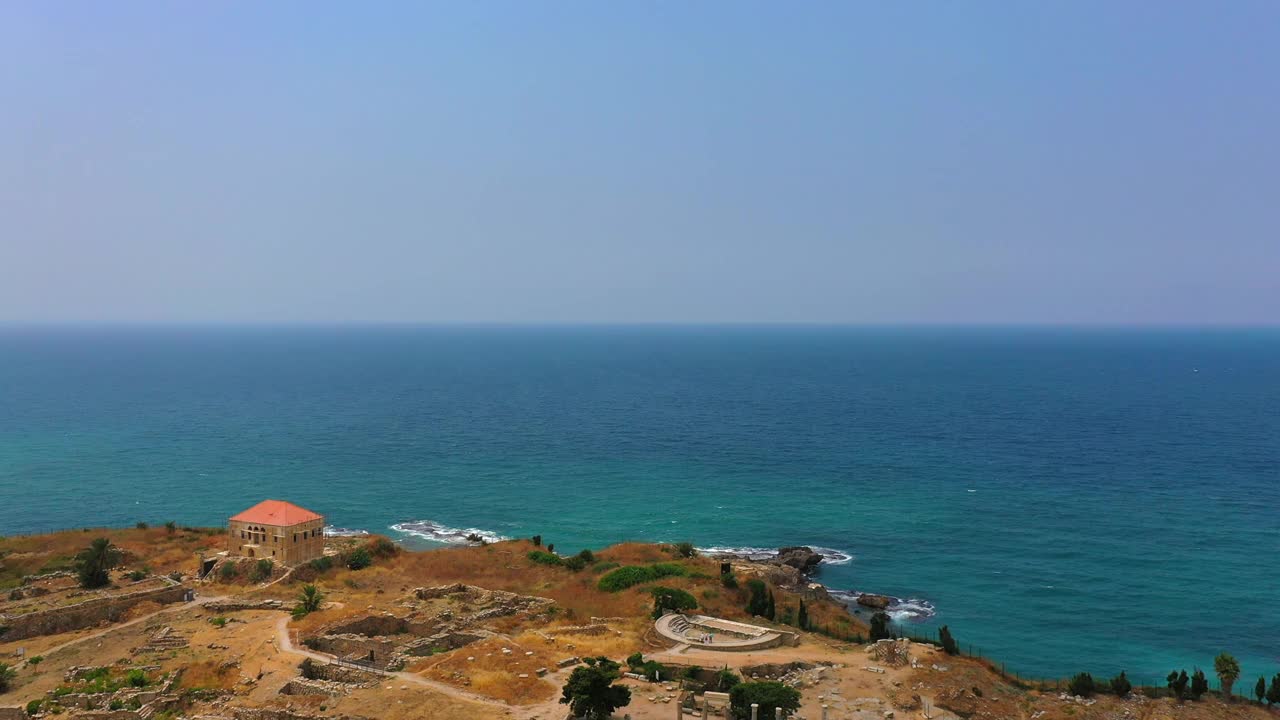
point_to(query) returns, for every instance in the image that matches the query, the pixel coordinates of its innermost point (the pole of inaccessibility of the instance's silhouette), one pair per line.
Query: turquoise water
(1065, 500)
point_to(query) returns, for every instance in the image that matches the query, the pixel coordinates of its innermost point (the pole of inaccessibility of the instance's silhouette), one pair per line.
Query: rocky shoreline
(793, 567)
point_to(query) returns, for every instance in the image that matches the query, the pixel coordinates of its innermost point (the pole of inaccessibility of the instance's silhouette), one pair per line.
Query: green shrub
(544, 558)
(116, 704)
(261, 571)
(726, 679)
(141, 526)
(383, 548)
(1082, 685)
(667, 600)
(228, 571)
(686, 549)
(587, 556)
(632, 575)
(136, 678)
(767, 694)
(33, 707)
(218, 621)
(1120, 685)
(359, 559)
(604, 566)
(635, 660)
(321, 564)
(729, 580)
(575, 563)
(137, 575)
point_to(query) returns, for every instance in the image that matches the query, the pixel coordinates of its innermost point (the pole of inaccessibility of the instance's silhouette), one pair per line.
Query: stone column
(704, 710)
(777, 714)
(755, 711)
(824, 712)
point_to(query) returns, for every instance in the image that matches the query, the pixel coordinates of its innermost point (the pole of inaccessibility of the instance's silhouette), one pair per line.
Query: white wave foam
(437, 532)
(331, 531)
(900, 610)
(830, 556)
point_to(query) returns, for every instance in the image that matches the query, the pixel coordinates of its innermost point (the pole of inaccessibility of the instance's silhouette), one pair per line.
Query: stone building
(279, 531)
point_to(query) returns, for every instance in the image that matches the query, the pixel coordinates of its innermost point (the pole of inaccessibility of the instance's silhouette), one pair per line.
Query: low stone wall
(274, 714)
(355, 646)
(13, 713)
(85, 614)
(232, 605)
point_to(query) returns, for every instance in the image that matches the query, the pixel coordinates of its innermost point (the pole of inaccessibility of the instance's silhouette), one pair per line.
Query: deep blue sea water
(1066, 499)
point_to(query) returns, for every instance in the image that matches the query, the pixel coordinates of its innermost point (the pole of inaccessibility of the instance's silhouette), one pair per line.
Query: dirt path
(120, 626)
(285, 643)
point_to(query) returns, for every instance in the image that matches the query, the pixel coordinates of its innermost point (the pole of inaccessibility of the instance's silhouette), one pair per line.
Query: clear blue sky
(944, 162)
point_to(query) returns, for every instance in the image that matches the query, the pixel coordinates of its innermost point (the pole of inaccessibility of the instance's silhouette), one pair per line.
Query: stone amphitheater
(712, 633)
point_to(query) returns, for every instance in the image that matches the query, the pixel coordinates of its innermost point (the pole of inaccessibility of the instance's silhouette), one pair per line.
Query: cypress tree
(771, 611)
(802, 617)
(1273, 693)
(879, 626)
(1261, 688)
(1199, 684)
(1178, 684)
(949, 644)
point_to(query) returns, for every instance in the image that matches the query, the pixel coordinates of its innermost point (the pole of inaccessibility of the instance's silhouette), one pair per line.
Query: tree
(1081, 685)
(537, 541)
(880, 627)
(667, 600)
(686, 549)
(1199, 685)
(802, 616)
(949, 644)
(6, 677)
(1178, 684)
(768, 694)
(171, 527)
(309, 600)
(1260, 690)
(758, 604)
(94, 562)
(1228, 670)
(771, 610)
(34, 662)
(1273, 693)
(590, 692)
(1120, 685)
(726, 679)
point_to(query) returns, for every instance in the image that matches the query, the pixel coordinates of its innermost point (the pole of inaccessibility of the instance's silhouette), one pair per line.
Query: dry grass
(157, 549)
(493, 672)
(209, 674)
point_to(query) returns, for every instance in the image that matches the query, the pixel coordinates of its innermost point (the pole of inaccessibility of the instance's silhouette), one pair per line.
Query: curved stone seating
(711, 633)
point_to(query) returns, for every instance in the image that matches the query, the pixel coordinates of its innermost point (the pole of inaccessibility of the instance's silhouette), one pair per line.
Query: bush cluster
(632, 575)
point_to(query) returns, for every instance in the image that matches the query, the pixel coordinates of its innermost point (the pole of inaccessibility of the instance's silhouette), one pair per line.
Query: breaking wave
(331, 531)
(437, 532)
(914, 610)
(829, 556)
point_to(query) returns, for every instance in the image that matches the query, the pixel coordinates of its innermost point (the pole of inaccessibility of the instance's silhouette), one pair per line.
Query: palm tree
(309, 600)
(171, 527)
(1228, 670)
(94, 562)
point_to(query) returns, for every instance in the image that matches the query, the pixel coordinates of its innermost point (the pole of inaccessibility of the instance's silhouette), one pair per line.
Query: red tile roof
(276, 512)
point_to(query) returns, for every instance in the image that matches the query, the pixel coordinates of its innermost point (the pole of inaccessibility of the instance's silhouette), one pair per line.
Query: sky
(1069, 162)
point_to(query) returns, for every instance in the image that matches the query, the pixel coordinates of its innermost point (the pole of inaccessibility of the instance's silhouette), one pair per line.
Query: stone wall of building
(85, 614)
(287, 545)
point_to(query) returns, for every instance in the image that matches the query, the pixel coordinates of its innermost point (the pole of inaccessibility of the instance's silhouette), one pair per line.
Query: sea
(1064, 499)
